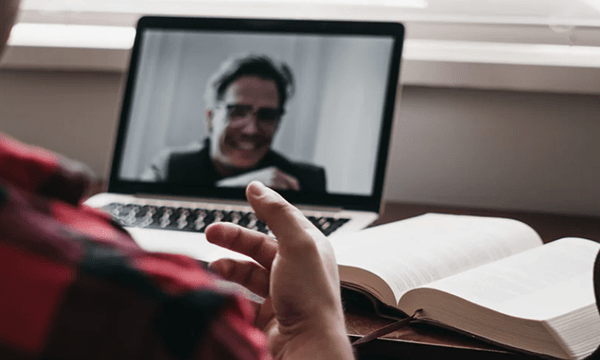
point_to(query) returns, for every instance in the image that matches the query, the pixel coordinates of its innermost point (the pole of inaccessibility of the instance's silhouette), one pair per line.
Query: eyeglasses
(238, 115)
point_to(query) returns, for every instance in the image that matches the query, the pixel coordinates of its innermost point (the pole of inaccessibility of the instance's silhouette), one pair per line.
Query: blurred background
(498, 107)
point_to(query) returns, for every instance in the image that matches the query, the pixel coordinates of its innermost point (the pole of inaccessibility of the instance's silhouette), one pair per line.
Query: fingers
(254, 244)
(291, 228)
(246, 273)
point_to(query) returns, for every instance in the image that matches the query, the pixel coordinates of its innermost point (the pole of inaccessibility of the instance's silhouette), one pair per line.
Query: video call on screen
(332, 121)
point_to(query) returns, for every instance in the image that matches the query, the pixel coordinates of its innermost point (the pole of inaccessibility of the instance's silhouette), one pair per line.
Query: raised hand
(296, 274)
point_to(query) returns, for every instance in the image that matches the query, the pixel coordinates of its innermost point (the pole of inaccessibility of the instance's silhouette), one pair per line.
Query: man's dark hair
(261, 66)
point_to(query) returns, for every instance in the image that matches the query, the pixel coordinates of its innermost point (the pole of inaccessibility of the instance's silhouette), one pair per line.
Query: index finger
(254, 244)
(291, 228)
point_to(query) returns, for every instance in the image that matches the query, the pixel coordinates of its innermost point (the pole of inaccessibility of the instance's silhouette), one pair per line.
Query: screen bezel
(370, 202)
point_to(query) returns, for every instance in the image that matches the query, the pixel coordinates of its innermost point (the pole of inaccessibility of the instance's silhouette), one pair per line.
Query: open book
(489, 277)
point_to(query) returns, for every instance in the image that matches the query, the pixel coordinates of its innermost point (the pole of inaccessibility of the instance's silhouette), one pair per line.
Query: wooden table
(427, 342)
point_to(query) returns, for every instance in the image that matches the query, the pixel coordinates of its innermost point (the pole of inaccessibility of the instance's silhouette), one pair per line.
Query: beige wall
(71, 113)
(493, 149)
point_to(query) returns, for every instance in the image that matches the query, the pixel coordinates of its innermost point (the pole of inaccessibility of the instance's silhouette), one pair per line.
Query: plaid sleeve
(75, 286)
(38, 170)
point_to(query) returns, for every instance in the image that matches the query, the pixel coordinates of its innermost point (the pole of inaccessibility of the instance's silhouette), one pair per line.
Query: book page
(558, 276)
(417, 251)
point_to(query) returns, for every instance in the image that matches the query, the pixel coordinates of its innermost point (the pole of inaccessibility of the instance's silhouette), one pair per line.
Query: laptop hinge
(192, 199)
(231, 202)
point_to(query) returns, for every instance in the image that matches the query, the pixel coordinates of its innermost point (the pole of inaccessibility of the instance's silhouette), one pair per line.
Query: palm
(271, 328)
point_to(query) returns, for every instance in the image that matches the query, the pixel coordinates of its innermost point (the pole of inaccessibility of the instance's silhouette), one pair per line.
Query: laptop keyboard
(197, 219)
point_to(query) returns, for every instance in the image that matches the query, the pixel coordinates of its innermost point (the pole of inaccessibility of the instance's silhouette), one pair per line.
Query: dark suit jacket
(193, 166)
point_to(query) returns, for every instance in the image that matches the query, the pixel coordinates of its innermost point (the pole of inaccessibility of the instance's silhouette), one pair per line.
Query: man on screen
(246, 101)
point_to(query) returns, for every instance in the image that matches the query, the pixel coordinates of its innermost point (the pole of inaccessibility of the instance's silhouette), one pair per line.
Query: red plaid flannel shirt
(74, 285)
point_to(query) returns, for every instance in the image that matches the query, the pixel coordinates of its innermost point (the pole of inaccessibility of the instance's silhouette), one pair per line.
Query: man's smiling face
(240, 133)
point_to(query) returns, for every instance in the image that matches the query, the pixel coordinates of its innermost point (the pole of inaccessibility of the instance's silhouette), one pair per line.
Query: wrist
(318, 347)
(326, 340)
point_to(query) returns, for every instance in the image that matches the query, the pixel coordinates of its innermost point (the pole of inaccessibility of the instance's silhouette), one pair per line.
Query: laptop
(320, 137)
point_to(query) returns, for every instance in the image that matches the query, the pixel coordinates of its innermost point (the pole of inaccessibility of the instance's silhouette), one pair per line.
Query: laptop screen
(304, 106)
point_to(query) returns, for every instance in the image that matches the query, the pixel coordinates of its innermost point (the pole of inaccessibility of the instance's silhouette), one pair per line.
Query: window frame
(484, 53)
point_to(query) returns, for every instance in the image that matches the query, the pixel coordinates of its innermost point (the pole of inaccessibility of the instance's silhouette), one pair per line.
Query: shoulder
(176, 160)
(178, 306)
(183, 152)
(41, 171)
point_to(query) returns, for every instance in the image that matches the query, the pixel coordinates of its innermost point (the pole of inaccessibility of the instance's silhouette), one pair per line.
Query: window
(564, 21)
(443, 36)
